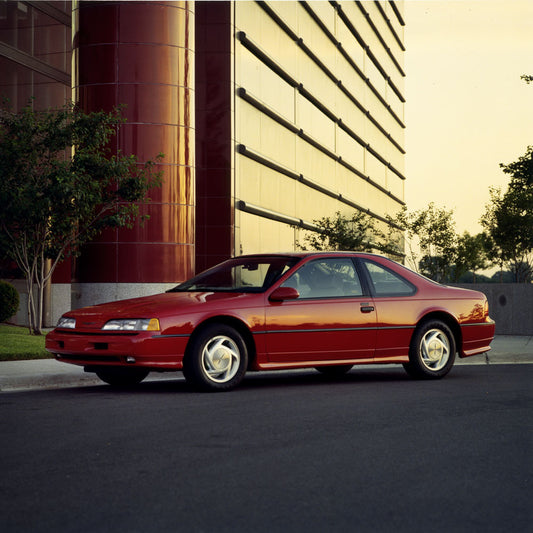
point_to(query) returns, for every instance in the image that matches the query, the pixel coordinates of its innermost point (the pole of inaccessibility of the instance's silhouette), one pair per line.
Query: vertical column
(214, 140)
(141, 55)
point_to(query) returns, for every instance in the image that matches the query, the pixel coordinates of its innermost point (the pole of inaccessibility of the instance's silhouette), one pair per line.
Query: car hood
(159, 305)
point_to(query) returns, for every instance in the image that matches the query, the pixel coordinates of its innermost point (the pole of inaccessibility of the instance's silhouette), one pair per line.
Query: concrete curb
(50, 374)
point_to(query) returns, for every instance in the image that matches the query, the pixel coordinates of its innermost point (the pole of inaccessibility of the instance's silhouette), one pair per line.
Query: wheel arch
(233, 322)
(449, 320)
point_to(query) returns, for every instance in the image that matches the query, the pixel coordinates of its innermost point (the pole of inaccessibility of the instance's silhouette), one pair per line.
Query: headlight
(132, 324)
(66, 322)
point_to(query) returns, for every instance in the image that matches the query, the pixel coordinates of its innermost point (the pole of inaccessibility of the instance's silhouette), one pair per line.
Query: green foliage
(357, 232)
(342, 233)
(434, 229)
(508, 219)
(436, 250)
(9, 301)
(471, 255)
(61, 185)
(17, 344)
(471, 277)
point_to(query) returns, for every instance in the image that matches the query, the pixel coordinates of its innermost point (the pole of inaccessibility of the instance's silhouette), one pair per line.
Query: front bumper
(146, 349)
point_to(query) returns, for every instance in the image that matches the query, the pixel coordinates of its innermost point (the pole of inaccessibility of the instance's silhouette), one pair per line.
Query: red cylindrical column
(141, 55)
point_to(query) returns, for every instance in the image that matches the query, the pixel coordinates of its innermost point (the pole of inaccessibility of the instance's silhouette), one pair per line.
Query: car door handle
(367, 308)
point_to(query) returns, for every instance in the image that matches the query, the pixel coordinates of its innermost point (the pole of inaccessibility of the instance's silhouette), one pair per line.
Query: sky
(467, 109)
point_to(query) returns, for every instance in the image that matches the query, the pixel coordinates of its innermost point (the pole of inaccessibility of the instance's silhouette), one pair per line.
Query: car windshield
(243, 274)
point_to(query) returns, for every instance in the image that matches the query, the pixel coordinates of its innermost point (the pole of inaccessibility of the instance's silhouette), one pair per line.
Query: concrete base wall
(510, 305)
(84, 294)
(67, 296)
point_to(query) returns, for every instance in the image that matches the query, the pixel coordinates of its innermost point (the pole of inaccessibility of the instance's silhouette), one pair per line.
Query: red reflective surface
(99, 64)
(309, 331)
(98, 24)
(162, 63)
(147, 140)
(169, 223)
(177, 186)
(159, 104)
(154, 22)
(122, 257)
(214, 144)
(140, 55)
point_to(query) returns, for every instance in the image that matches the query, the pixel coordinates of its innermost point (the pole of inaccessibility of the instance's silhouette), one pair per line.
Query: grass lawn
(16, 343)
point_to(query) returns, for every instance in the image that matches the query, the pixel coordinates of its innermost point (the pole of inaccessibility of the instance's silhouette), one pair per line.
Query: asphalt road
(374, 451)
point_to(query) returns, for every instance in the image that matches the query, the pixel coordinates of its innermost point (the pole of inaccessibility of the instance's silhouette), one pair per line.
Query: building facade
(270, 115)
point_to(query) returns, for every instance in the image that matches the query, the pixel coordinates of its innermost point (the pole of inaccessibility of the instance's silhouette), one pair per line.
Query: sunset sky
(467, 108)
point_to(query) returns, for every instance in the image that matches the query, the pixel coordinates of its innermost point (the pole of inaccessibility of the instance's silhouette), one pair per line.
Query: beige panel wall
(297, 85)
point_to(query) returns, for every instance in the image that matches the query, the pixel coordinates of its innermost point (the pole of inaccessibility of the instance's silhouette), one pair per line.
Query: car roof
(312, 254)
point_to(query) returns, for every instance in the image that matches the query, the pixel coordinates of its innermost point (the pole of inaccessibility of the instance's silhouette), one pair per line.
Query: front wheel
(432, 351)
(217, 359)
(122, 377)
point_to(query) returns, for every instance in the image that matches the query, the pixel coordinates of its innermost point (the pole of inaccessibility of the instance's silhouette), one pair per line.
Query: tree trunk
(32, 311)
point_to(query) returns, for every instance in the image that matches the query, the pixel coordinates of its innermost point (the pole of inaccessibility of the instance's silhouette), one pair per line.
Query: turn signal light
(153, 325)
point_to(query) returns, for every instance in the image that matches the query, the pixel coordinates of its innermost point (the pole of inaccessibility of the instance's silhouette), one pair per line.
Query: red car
(279, 311)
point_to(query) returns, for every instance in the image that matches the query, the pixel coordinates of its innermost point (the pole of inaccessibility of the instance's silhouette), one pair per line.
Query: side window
(326, 278)
(386, 282)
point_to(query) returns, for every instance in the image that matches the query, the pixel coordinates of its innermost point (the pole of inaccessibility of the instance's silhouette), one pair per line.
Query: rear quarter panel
(397, 319)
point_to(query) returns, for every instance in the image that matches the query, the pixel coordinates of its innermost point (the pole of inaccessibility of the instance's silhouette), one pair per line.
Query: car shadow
(313, 377)
(261, 380)
(173, 383)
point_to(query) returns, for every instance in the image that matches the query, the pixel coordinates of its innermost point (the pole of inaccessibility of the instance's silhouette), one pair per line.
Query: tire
(432, 351)
(334, 371)
(217, 359)
(122, 377)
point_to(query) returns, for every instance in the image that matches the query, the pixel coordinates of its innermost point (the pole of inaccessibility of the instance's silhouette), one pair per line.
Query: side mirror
(284, 293)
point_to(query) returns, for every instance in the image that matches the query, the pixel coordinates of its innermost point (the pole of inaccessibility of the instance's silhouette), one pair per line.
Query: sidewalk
(50, 374)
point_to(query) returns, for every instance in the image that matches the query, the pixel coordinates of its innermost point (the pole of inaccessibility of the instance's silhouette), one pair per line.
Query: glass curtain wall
(35, 53)
(319, 116)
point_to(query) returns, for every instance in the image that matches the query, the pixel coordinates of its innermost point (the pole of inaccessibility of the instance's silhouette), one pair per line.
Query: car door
(332, 319)
(396, 310)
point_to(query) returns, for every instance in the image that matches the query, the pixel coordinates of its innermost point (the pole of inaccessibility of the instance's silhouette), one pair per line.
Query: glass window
(326, 278)
(243, 274)
(386, 282)
(19, 84)
(51, 41)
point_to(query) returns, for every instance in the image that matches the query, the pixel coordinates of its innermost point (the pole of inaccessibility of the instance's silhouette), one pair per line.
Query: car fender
(444, 315)
(245, 325)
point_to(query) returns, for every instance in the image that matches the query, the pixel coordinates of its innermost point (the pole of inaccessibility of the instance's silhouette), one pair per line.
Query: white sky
(467, 109)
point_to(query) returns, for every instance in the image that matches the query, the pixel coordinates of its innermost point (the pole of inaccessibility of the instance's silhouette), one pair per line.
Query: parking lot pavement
(49, 374)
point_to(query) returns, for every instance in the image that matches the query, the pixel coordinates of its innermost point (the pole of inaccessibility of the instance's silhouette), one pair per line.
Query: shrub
(9, 300)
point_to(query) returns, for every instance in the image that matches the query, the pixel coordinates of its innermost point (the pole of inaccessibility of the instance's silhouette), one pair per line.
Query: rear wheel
(122, 377)
(217, 359)
(432, 351)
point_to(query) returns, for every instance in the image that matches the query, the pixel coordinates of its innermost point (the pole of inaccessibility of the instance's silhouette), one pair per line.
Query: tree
(430, 233)
(434, 248)
(52, 201)
(508, 219)
(343, 233)
(471, 255)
